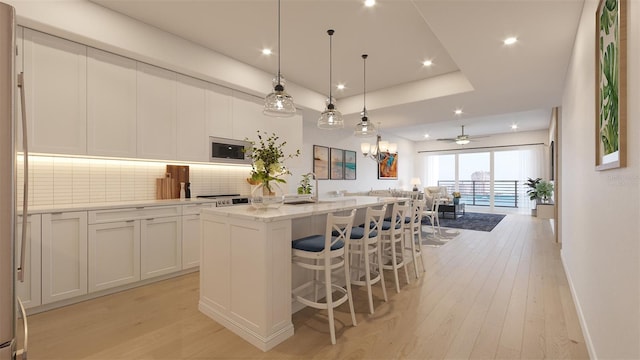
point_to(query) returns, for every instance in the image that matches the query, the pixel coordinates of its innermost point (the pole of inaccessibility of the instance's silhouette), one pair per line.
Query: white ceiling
(495, 85)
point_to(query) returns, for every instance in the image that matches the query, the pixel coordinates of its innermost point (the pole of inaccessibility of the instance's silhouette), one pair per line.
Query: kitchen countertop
(287, 211)
(113, 205)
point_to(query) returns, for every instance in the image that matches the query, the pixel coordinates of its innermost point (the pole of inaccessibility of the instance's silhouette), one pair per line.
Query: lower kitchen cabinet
(161, 246)
(29, 290)
(114, 254)
(191, 234)
(64, 255)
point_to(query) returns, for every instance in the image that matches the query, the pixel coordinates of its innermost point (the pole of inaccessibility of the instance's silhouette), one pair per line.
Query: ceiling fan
(461, 139)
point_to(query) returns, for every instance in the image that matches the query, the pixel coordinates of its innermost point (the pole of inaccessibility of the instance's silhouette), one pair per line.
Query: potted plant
(305, 185)
(544, 190)
(456, 197)
(533, 192)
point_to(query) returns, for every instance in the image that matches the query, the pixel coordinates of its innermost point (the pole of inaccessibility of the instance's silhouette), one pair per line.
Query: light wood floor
(485, 295)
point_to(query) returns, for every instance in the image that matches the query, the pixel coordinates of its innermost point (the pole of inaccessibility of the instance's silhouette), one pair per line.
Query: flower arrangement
(268, 160)
(456, 194)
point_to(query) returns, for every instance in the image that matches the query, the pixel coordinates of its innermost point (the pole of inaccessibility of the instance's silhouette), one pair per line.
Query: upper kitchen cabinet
(111, 104)
(156, 113)
(56, 93)
(219, 112)
(192, 127)
(248, 116)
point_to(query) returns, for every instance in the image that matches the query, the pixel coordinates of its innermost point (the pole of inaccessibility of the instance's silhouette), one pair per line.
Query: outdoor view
(511, 170)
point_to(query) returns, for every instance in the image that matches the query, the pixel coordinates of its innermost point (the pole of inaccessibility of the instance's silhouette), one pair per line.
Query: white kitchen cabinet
(64, 255)
(114, 254)
(29, 290)
(191, 234)
(156, 113)
(160, 246)
(111, 104)
(248, 117)
(56, 93)
(219, 112)
(192, 139)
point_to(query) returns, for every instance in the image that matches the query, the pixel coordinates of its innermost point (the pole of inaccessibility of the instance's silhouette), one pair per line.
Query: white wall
(366, 170)
(600, 209)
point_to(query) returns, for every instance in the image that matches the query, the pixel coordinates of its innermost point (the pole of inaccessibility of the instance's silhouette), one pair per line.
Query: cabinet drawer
(135, 213)
(194, 209)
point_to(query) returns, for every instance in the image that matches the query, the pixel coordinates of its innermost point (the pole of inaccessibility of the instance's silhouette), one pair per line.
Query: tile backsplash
(64, 180)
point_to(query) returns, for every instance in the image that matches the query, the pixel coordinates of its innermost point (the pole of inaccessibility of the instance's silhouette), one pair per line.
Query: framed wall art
(336, 167)
(349, 165)
(321, 162)
(388, 166)
(611, 84)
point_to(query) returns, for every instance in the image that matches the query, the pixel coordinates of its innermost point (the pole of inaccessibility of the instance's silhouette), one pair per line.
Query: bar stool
(432, 214)
(413, 232)
(365, 245)
(392, 242)
(314, 248)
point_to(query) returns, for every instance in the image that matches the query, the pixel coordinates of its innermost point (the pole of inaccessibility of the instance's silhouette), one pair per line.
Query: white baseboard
(576, 301)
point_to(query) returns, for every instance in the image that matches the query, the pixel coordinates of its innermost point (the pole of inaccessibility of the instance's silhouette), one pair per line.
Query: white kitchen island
(245, 264)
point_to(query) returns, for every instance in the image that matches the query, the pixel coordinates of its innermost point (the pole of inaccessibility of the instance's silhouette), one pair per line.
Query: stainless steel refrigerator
(10, 268)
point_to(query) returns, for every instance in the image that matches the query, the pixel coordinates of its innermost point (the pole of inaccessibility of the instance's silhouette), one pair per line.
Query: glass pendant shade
(279, 103)
(330, 118)
(364, 128)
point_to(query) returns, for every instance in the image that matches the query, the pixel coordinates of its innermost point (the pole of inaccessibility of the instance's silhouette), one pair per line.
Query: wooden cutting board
(180, 173)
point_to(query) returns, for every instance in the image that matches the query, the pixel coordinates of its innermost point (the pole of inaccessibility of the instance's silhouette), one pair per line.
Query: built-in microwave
(229, 151)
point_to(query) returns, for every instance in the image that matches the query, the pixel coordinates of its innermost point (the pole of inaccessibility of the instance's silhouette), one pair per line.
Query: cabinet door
(29, 290)
(111, 104)
(248, 117)
(114, 254)
(64, 255)
(192, 136)
(190, 241)
(219, 112)
(156, 120)
(55, 84)
(161, 248)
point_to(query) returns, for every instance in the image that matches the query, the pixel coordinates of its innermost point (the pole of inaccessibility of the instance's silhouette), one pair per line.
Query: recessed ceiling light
(369, 3)
(427, 63)
(458, 112)
(266, 51)
(340, 86)
(510, 40)
(426, 136)
(514, 126)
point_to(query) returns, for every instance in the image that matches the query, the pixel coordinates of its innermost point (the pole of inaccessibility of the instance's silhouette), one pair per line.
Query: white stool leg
(380, 270)
(329, 297)
(367, 277)
(347, 278)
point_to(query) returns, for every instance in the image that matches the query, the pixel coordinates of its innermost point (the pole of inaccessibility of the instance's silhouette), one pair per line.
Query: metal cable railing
(478, 192)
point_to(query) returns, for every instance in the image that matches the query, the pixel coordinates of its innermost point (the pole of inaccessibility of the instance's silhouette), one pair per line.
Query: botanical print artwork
(337, 158)
(388, 166)
(610, 77)
(349, 165)
(321, 162)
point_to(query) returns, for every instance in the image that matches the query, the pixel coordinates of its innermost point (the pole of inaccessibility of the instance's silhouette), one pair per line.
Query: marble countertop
(288, 211)
(112, 205)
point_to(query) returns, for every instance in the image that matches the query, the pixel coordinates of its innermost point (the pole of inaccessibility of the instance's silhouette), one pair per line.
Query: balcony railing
(478, 192)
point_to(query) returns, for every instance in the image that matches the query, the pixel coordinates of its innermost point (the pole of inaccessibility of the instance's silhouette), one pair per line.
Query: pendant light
(279, 103)
(364, 128)
(330, 118)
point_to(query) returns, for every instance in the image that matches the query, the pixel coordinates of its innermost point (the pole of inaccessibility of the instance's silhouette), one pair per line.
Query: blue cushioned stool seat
(314, 243)
(358, 233)
(386, 225)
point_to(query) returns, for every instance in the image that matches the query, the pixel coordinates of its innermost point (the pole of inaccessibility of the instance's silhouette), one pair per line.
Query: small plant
(533, 192)
(456, 195)
(544, 190)
(305, 185)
